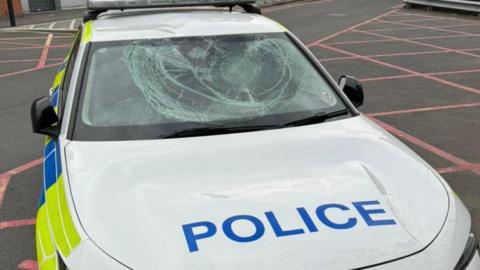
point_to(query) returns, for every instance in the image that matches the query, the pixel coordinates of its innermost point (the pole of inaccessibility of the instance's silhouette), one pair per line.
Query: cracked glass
(200, 80)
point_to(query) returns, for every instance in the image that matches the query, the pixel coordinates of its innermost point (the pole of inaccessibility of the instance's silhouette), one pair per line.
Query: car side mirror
(352, 88)
(44, 118)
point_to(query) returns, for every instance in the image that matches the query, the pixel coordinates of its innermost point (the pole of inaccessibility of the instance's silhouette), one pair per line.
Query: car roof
(177, 22)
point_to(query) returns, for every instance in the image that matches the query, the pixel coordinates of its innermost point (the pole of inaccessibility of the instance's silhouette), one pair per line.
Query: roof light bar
(131, 4)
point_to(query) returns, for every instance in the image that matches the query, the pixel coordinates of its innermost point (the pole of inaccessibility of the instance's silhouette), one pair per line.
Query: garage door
(41, 5)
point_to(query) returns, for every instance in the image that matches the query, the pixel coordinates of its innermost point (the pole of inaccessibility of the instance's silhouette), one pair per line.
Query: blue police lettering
(307, 219)
(365, 213)
(196, 231)
(259, 228)
(192, 238)
(339, 226)
(279, 232)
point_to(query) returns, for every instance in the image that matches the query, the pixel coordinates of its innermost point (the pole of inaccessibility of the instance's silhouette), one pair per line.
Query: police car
(201, 135)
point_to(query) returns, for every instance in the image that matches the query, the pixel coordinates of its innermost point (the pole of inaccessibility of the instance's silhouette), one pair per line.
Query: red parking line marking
(454, 72)
(433, 149)
(35, 47)
(431, 16)
(21, 48)
(18, 43)
(43, 56)
(400, 14)
(420, 43)
(390, 29)
(426, 109)
(416, 27)
(18, 61)
(22, 168)
(470, 167)
(427, 27)
(411, 75)
(16, 223)
(419, 20)
(4, 181)
(392, 40)
(381, 55)
(28, 265)
(331, 59)
(406, 70)
(27, 60)
(405, 53)
(386, 78)
(450, 169)
(5, 177)
(349, 28)
(356, 42)
(458, 25)
(38, 37)
(28, 70)
(62, 59)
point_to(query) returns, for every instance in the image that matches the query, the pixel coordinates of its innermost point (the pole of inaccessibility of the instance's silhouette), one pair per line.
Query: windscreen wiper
(214, 130)
(316, 118)
(220, 129)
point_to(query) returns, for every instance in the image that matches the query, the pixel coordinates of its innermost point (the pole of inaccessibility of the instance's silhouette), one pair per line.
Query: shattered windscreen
(200, 80)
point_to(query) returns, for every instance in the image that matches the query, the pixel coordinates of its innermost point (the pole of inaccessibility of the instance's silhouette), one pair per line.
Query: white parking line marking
(72, 24)
(52, 25)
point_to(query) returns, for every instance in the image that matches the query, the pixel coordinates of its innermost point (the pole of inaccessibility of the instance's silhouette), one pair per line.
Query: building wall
(70, 4)
(25, 6)
(17, 6)
(21, 7)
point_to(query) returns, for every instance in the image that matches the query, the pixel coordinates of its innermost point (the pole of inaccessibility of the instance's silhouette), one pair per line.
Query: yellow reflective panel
(68, 226)
(47, 139)
(43, 232)
(55, 219)
(64, 231)
(87, 32)
(58, 78)
(50, 264)
(38, 243)
(46, 255)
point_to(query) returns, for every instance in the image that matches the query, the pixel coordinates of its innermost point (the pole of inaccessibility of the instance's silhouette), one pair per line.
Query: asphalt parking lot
(420, 71)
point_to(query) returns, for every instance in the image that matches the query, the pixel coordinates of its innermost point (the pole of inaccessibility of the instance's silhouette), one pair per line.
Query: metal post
(11, 13)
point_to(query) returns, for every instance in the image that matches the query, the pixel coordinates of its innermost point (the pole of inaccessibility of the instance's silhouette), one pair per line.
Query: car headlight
(468, 252)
